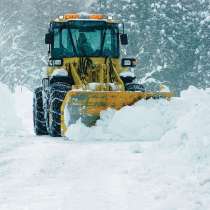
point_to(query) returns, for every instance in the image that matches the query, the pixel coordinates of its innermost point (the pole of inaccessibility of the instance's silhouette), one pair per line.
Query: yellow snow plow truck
(85, 74)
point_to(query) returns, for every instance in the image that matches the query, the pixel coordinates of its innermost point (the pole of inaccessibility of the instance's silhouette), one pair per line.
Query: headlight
(128, 62)
(55, 62)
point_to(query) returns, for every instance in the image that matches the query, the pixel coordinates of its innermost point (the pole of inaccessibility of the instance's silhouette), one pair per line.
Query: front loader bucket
(87, 105)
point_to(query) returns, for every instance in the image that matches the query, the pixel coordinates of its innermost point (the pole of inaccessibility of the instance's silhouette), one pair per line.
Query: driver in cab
(84, 46)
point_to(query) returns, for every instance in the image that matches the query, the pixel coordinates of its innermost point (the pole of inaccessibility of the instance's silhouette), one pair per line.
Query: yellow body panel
(101, 71)
(96, 61)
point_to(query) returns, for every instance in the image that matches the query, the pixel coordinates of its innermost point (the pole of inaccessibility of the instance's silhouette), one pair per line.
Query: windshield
(85, 40)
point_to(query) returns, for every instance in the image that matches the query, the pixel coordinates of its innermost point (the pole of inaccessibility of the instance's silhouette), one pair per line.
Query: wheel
(38, 113)
(57, 93)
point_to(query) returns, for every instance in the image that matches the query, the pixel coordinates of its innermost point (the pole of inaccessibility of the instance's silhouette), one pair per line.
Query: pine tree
(169, 38)
(23, 24)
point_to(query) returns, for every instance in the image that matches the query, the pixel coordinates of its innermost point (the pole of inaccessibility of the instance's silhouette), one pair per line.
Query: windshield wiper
(103, 41)
(72, 41)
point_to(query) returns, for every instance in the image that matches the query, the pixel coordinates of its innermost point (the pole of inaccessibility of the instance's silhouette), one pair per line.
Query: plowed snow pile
(173, 172)
(14, 109)
(183, 118)
(24, 104)
(10, 124)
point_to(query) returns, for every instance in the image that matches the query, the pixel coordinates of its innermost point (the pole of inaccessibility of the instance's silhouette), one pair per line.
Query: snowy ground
(104, 168)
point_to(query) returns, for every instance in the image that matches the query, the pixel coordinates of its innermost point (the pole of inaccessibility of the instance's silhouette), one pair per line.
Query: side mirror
(124, 39)
(49, 38)
(128, 62)
(45, 83)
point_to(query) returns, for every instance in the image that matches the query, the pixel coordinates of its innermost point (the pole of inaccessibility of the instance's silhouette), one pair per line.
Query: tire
(57, 94)
(38, 113)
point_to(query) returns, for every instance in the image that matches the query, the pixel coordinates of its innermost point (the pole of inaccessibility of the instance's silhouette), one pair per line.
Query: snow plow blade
(87, 105)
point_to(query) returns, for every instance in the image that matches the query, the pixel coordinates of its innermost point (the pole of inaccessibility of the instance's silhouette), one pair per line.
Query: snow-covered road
(45, 173)
(56, 174)
(109, 167)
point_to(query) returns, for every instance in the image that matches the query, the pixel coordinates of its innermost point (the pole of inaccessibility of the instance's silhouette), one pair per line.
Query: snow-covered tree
(23, 24)
(170, 39)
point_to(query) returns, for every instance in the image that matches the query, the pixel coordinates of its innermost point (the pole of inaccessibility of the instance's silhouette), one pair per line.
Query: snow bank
(186, 117)
(24, 108)
(13, 109)
(10, 124)
(172, 172)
